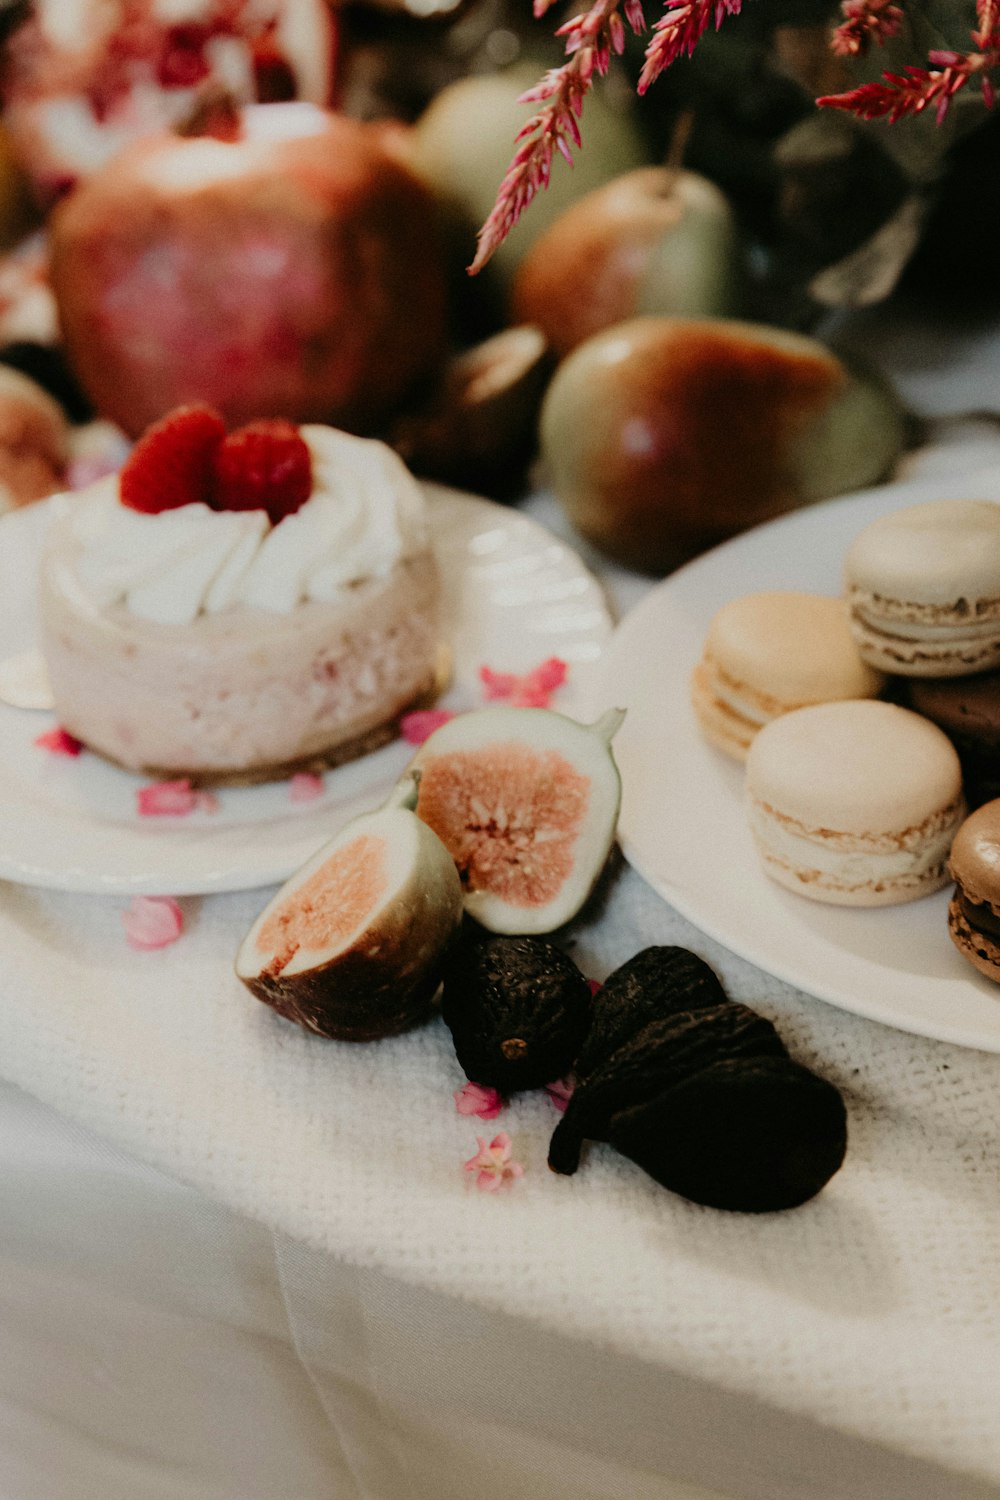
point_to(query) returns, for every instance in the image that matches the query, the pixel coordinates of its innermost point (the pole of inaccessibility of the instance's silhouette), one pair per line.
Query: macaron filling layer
(980, 916)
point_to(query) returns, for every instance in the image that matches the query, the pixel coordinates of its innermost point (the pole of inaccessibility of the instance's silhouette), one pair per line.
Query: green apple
(464, 142)
(654, 240)
(663, 436)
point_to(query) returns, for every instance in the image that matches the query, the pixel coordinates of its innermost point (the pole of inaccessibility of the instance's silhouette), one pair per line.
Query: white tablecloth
(324, 1309)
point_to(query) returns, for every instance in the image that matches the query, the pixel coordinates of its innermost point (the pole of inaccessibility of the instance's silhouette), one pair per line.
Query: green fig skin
(465, 139)
(664, 436)
(386, 981)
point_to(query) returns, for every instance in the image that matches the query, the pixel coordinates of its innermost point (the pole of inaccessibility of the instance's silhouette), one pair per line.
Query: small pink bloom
(173, 799)
(152, 922)
(477, 1099)
(532, 690)
(59, 741)
(594, 985)
(559, 1093)
(305, 787)
(493, 1163)
(421, 724)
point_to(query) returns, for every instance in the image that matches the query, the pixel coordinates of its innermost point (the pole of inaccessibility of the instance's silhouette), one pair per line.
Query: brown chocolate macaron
(968, 710)
(974, 911)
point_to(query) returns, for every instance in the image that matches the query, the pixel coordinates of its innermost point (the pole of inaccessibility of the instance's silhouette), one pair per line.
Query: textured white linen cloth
(873, 1311)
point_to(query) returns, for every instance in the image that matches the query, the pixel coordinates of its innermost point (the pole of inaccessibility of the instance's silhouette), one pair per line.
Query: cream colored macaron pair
(850, 800)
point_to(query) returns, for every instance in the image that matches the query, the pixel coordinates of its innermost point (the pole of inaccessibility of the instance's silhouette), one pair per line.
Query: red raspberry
(263, 466)
(170, 465)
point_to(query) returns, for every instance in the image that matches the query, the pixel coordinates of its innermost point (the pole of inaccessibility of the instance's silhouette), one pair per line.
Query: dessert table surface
(239, 1261)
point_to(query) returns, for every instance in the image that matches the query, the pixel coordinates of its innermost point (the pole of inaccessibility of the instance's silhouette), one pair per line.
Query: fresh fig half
(353, 944)
(526, 801)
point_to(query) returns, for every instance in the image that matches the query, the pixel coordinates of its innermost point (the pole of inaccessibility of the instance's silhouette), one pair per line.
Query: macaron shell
(854, 803)
(721, 725)
(921, 653)
(980, 951)
(975, 856)
(943, 553)
(968, 710)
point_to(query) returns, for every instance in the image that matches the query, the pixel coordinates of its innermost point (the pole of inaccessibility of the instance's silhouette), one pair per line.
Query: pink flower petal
(59, 741)
(152, 922)
(533, 689)
(421, 724)
(493, 1164)
(206, 802)
(168, 799)
(477, 1099)
(595, 985)
(559, 1093)
(305, 787)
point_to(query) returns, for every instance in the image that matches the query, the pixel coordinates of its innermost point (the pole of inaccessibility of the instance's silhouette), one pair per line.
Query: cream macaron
(854, 803)
(768, 653)
(923, 589)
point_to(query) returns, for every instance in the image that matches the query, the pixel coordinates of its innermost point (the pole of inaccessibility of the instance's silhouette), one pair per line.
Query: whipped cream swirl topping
(366, 513)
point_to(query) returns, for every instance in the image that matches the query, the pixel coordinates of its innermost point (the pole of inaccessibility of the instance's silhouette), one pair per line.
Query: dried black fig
(518, 1009)
(664, 1053)
(659, 981)
(753, 1136)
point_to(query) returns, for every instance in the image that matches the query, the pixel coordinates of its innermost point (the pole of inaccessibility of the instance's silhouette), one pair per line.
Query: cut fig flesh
(352, 945)
(526, 801)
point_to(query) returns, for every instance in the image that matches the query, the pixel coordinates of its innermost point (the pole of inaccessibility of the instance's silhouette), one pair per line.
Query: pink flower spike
(478, 1099)
(167, 799)
(59, 741)
(152, 922)
(493, 1163)
(305, 787)
(559, 1093)
(421, 724)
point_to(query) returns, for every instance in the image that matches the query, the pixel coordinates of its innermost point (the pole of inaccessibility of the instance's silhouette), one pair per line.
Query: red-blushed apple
(85, 78)
(464, 142)
(654, 240)
(295, 272)
(662, 436)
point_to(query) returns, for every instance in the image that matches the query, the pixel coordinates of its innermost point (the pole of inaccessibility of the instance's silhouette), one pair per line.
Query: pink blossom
(59, 741)
(493, 1163)
(477, 1099)
(593, 985)
(421, 724)
(559, 1093)
(173, 799)
(305, 787)
(152, 922)
(533, 689)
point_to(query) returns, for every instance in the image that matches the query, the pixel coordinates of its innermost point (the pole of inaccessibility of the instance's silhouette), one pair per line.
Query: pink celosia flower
(559, 1093)
(152, 922)
(173, 799)
(477, 1099)
(533, 689)
(305, 787)
(493, 1163)
(421, 724)
(59, 741)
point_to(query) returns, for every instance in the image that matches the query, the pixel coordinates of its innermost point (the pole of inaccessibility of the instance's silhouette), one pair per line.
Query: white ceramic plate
(683, 825)
(514, 595)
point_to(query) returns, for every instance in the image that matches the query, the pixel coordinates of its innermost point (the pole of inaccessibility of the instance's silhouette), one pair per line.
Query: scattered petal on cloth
(305, 787)
(421, 724)
(152, 922)
(559, 1093)
(59, 741)
(478, 1099)
(173, 799)
(533, 690)
(493, 1164)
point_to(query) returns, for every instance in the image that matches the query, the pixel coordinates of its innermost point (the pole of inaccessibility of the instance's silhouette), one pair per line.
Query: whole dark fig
(649, 1064)
(752, 1136)
(518, 1009)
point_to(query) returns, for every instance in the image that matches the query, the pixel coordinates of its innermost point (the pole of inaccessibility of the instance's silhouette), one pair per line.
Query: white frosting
(365, 514)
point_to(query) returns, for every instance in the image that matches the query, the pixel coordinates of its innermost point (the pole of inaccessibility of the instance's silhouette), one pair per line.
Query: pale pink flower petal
(206, 802)
(152, 922)
(421, 724)
(496, 684)
(594, 985)
(305, 787)
(559, 1093)
(59, 741)
(493, 1163)
(532, 689)
(166, 799)
(477, 1099)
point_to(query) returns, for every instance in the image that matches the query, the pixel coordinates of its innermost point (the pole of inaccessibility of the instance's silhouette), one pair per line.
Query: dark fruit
(517, 1009)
